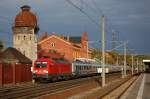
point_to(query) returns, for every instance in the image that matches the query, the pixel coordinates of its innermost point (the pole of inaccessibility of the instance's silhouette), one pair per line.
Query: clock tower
(25, 31)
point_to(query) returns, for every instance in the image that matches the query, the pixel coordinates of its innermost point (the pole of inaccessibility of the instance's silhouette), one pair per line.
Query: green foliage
(111, 57)
(52, 51)
(113, 54)
(96, 54)
(1, 45)
(135, 57)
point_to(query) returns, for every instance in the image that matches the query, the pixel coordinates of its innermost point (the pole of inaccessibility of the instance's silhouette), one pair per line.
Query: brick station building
(71, 47)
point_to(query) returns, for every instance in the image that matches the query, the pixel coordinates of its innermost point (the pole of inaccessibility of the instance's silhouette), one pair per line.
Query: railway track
(119, 88)
(31, 91)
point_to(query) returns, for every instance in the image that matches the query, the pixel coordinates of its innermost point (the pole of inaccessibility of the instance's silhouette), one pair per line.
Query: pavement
(140, 89)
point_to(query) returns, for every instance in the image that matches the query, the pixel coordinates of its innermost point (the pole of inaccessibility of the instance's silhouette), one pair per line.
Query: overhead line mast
(103, 52)
(103, 38)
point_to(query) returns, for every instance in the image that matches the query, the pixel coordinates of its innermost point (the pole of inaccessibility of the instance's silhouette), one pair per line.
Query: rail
(42, 89)
(116, 90)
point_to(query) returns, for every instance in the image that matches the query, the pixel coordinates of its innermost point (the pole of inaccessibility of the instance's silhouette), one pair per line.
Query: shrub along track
(31, 91)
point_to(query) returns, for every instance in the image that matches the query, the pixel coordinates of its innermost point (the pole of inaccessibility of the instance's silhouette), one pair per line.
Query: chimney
(84, 39)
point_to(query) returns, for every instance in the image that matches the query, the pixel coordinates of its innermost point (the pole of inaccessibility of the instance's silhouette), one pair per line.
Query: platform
(140, 88)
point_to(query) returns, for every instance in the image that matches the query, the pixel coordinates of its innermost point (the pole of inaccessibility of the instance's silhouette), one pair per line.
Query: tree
(110, 56)
(96, 54)
(1, 45)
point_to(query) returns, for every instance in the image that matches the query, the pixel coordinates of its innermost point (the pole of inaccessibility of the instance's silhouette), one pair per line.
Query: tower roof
(25, 18)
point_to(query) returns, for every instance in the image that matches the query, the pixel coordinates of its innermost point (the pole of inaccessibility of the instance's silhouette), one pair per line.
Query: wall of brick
(1, 75)
(58, 45)
(64, 47)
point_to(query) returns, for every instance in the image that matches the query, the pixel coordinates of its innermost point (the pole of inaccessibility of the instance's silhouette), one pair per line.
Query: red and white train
(51, 69)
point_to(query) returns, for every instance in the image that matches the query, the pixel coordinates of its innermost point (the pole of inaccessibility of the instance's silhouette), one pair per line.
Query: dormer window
(52, 44)
(18, 37)
(24, 37)
(30, 37)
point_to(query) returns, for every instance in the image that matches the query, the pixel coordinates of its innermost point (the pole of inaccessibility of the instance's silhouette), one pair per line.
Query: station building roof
(13, 55)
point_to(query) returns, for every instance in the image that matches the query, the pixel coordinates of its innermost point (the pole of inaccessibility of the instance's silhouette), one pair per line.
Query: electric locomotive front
(41, 68)
(51, 69)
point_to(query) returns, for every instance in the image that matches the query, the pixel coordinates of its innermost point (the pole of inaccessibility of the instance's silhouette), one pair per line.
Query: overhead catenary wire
(82, 11)
(96, 7)
(91, 8)
(110, 25)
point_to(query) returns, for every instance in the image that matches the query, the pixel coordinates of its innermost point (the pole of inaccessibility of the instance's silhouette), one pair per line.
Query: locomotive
(55, 69)
(50, 69)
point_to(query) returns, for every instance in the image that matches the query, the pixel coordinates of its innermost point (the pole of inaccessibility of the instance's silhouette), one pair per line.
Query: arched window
(24, 37)
(18, 37)
(30, 37)
(53, 44)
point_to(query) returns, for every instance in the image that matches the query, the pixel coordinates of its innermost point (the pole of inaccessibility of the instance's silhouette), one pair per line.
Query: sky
(130, 19)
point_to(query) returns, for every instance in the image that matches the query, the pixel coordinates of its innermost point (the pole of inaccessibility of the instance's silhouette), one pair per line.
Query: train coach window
(41, 64)
(79, 67)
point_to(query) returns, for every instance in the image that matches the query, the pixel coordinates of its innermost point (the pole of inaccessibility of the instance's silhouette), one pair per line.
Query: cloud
(130, 17)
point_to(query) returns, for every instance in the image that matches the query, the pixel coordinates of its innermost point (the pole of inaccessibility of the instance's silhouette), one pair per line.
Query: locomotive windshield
(41, 64)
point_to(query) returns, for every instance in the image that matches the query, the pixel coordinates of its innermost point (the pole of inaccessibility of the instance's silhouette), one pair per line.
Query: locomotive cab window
(41, 64)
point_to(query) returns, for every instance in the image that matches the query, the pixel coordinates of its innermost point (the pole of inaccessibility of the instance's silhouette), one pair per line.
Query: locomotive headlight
(45, 71)
(34, 71)
(31, 69)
